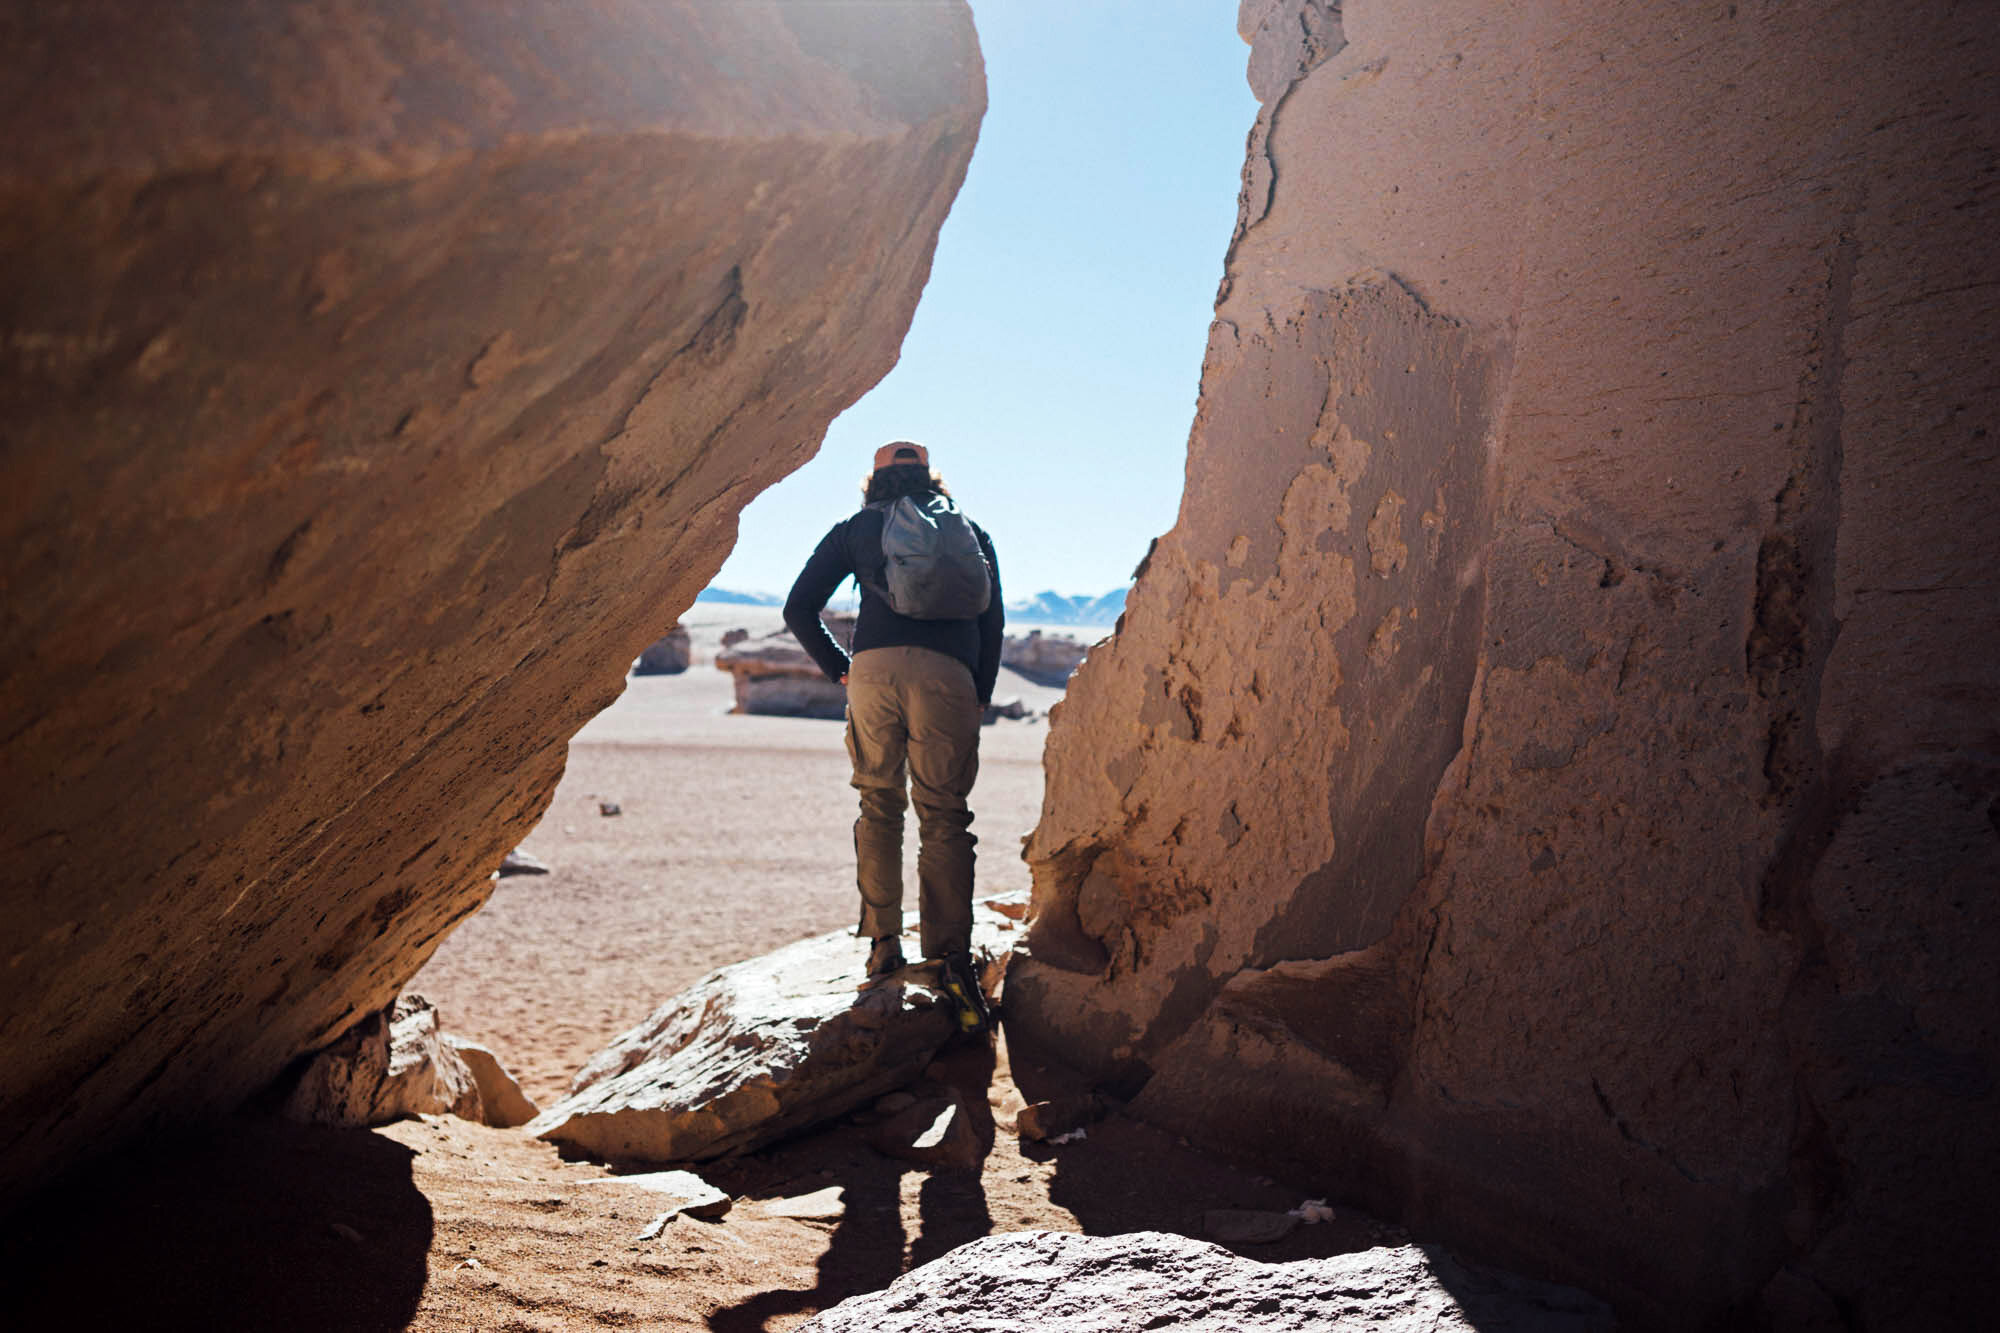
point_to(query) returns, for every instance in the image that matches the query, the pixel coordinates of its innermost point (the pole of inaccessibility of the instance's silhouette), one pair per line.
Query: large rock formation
(1149, 1279)
(774, 675)
(1046, 659)
(1563, 806)
(376, 377)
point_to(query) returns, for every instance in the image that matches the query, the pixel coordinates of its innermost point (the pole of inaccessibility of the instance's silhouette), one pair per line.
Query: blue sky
(1055, 357)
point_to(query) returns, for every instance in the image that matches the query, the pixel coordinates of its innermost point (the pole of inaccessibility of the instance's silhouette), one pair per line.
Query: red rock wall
(378, 379)
(1547, 785)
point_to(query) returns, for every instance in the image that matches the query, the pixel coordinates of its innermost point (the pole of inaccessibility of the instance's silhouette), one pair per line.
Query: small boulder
(667, 655)
(518, 862)
(1147, 1279)
(393, 1063)
(758, 1050)
(502, 1103)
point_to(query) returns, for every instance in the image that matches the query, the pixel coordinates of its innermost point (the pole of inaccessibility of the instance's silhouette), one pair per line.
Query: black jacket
(854, 548)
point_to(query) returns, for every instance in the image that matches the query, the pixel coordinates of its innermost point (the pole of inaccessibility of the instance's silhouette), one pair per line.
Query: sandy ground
(733, 838)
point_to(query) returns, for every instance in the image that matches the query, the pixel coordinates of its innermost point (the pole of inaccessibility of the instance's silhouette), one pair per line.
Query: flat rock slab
(1148, 1279)
(827, 1205)
(758, 1050)
(678, 1191)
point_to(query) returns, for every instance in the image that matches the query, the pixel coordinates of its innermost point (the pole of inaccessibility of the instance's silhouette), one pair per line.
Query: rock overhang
(379, 388)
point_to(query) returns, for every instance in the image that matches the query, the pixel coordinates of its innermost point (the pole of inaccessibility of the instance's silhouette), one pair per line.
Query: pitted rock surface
(1546, 777)
(1153, 1280)
(377, 376)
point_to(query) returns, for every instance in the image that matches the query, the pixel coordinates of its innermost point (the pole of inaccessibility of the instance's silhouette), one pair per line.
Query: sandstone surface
(375, 376)
(1546, 781)
(762, 1049)
(1046, 659)
(667, 655)
(1154, 1280)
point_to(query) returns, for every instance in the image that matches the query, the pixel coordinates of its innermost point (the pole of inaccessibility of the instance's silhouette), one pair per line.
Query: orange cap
(901, 451)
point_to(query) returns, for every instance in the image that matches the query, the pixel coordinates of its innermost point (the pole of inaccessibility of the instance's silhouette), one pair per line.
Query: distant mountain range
(730, 598)
(1044, 608)
(1054, 608)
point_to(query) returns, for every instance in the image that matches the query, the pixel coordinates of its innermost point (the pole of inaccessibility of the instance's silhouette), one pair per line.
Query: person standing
(926, 654)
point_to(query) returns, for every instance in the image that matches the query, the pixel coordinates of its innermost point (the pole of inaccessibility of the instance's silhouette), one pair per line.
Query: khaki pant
(913, 709)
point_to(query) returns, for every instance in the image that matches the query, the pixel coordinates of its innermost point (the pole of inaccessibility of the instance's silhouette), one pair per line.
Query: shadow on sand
(867, 1250)
(248, 1224)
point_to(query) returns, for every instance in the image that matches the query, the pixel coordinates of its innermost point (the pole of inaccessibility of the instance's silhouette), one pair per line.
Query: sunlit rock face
(1546, 781)
(378, 379)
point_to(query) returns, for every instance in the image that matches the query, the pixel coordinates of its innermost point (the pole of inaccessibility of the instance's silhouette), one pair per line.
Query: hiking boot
(885, 957)
(960, 982)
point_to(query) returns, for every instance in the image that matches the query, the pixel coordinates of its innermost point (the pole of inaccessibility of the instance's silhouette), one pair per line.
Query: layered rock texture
(1548, 782)
(376, 376)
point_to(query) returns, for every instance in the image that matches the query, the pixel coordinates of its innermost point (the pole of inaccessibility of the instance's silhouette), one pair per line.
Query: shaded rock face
(1151, 1279)
(373, 379)
(1546, 780)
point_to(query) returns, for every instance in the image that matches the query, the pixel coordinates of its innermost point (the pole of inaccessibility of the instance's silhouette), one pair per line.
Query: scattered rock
(684, 1191)
(1247, 1226)
(1312, 1212)
(667, 655)
(732, 637)
(1046, 659)
(1040, 1122)
(501, 1100)
(827, 1205)
(609, 808)
(1041, 1279)
(775, 676)
(518, 862)
(758, 1050)
(393, 1063)
(1011, 708)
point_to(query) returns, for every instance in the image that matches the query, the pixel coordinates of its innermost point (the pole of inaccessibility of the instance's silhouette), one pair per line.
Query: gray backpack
(932, 567)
